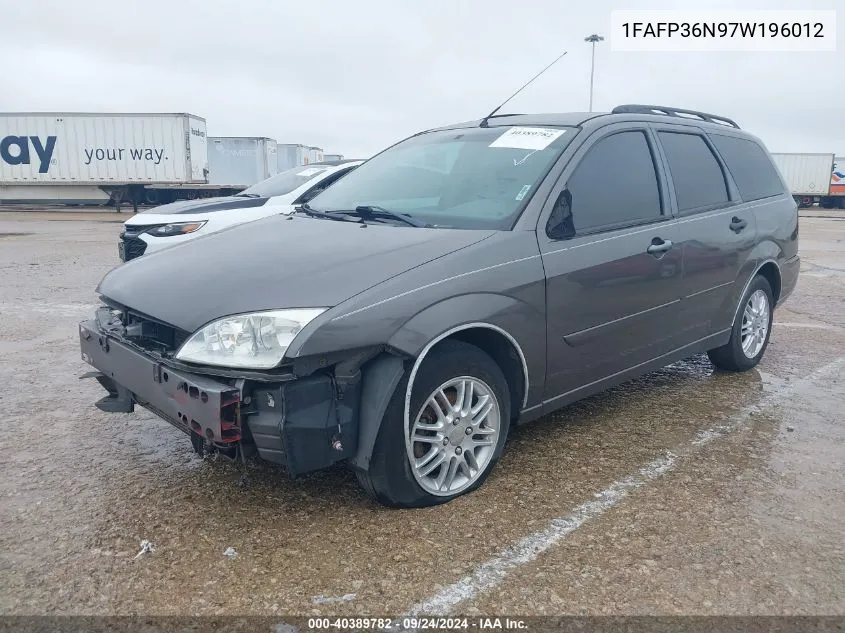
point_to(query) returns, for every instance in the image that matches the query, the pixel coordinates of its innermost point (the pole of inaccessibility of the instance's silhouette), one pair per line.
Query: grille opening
(153, 335)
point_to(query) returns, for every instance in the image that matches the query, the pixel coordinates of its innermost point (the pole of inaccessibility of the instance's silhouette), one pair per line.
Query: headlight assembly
(257, 340)
(176, 228)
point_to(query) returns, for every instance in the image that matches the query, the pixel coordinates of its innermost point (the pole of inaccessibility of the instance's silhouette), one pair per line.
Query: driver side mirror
(560, 225)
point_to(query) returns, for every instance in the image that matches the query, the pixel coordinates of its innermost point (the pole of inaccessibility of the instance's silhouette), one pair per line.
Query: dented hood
(277, 262)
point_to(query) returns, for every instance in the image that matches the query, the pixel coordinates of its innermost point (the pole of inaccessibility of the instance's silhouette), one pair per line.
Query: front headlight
(177, 228)
(257, 340)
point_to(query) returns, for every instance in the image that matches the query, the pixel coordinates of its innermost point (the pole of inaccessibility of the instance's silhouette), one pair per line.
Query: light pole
(592, 39)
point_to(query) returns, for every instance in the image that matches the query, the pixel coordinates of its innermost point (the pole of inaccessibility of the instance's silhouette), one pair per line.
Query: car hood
(277, 262)
(200, 206)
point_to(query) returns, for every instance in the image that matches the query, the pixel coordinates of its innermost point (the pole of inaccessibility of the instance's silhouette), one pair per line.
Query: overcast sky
(354, 76)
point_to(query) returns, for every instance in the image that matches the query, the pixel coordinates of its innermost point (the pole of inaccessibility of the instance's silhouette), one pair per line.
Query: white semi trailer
(241, 159)
(814, 178)
(95, 158)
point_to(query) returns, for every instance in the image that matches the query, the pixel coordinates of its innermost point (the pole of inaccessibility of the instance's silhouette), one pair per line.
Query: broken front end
(303, 415)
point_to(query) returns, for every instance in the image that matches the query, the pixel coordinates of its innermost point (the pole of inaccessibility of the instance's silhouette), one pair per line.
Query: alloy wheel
(454, 435)
(755, 323)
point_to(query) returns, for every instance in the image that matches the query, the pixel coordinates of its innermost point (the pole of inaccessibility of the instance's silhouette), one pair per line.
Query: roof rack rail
(634, 108)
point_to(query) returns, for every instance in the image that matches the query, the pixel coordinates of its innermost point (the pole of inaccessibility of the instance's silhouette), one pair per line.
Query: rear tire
(751, 329)
(457, 444)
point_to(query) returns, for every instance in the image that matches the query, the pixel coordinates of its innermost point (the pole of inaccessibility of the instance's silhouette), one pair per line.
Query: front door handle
(659, 246)
(737, 224)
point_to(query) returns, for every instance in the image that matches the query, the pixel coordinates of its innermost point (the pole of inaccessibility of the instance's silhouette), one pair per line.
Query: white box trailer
(291, 155)
(241, 160)
(332, 157)
(807, 175)
(315, 154)
(53, 156)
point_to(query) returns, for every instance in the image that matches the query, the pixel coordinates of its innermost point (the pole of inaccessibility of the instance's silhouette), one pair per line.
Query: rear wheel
(751, 329)
(459, 417)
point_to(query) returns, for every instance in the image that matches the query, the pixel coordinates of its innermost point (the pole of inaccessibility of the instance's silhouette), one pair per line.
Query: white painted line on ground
(491, 573)
(810, 326)
(321, 599)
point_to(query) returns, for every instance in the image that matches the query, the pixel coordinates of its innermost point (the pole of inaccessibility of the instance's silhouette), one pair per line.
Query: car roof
(623, 113)
(333, 163)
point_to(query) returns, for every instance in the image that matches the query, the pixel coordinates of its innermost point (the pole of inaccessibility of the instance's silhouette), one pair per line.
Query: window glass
(322, 185)
(285, 181)
(750, 166)
(615, 183)
(464, 178)
(696, 173)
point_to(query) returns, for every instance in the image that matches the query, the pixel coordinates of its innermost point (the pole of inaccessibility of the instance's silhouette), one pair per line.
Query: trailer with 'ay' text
(97, 158)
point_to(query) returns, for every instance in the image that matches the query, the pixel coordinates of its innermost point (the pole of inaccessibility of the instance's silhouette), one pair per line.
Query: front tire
(751, 329)
(459, 417)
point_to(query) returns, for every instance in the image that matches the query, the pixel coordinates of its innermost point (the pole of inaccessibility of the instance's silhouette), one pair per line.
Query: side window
(614, 184)
(750, 166)
(696, 173)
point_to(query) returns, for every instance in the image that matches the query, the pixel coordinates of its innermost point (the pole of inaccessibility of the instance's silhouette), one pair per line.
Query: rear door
(717, 232)
(613, 267)
(766, 195)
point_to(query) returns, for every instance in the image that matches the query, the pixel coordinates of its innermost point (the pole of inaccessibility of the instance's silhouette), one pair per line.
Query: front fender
(516, 320)
(520, 322)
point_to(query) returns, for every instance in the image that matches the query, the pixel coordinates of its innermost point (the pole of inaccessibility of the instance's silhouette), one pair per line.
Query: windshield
(285, 182)
(472, 178)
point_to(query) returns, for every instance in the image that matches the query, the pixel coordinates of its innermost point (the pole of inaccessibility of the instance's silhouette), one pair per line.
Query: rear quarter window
(750, 166)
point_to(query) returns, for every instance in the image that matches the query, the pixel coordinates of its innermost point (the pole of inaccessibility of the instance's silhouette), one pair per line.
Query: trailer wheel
(151, 196)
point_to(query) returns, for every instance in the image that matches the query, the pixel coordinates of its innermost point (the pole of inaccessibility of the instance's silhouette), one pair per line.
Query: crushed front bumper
(190, 402)
(304, 423)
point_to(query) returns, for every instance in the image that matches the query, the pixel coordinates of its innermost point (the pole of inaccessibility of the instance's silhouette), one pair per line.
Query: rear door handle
(737, 224)
(659, 246)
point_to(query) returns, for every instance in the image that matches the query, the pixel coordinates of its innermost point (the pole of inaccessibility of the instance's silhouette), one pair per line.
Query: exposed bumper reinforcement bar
(194, 404)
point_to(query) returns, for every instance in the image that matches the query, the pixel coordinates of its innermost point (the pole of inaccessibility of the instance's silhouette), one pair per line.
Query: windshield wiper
(307, 210)
(247, 195)
(372, 212)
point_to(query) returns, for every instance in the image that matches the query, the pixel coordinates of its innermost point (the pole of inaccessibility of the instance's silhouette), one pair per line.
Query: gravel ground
(687, 491)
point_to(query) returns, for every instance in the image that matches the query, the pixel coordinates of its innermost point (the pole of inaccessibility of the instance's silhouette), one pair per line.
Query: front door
(613, 267)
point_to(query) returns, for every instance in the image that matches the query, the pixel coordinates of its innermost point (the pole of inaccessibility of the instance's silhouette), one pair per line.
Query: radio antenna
(484, 120)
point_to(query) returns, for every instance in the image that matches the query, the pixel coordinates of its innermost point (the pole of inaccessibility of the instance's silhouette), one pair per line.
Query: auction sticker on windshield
(527, 138)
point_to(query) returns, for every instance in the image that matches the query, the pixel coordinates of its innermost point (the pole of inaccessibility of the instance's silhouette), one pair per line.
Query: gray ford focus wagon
(462, 281)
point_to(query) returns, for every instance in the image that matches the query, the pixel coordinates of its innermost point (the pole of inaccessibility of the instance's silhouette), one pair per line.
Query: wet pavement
(686, 491)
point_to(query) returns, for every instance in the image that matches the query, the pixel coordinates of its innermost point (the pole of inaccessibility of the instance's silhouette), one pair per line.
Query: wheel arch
(770, 270)
(498, 343)
(383, 375)
(510, 330)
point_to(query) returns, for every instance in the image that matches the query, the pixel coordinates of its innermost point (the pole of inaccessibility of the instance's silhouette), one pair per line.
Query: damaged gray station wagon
(463, 280)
